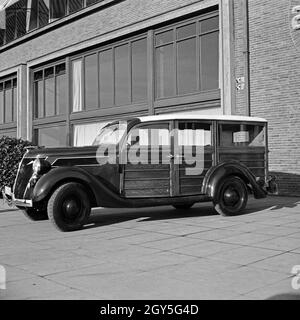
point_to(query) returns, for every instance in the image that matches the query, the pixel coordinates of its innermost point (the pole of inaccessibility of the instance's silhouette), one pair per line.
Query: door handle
(171, 156)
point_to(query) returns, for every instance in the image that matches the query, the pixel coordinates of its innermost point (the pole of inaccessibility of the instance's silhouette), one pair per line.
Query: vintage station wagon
(175, 160)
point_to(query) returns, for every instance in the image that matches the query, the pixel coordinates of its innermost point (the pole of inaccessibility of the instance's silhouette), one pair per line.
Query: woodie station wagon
(175, 160)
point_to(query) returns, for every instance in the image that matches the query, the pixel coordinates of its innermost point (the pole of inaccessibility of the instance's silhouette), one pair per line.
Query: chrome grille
(24, 174)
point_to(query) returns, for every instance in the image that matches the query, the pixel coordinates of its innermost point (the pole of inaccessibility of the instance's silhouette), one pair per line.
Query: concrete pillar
(227, 77)
(22, 102)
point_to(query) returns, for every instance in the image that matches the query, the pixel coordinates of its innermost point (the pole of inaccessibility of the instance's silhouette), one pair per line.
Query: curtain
(85, 134)
(77, 86)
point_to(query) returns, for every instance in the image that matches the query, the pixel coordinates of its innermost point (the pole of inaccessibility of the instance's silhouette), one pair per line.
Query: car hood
(52, 154)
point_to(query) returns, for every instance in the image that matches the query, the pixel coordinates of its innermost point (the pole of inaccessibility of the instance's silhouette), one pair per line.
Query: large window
(112, 76)
(187, 58)
(8, 100)
(51, 136)
(25, 15)
(50, 91)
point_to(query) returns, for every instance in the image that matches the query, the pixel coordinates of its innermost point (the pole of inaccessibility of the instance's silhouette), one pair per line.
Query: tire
(35, 215)
(232, 197)
(183, 206)
(69, 207)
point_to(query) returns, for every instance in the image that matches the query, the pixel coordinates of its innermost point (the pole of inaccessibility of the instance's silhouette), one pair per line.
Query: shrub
(11, 153)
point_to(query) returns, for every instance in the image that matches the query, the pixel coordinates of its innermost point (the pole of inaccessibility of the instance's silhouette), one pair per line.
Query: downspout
(246, 54)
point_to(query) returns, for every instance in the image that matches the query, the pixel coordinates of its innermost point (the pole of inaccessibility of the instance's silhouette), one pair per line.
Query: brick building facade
(64, 75)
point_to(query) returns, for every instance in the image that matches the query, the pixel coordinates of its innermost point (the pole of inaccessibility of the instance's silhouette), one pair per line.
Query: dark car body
(229, 147)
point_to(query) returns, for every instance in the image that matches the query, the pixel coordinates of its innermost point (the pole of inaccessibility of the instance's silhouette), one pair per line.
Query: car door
(147, 168)
(193, 155)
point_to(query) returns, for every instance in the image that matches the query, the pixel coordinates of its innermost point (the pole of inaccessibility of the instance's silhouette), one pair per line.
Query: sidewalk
(155, 253)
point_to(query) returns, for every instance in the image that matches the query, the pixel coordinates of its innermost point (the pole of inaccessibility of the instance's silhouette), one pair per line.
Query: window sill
(58, 23)
(7, 126)
(186, 99)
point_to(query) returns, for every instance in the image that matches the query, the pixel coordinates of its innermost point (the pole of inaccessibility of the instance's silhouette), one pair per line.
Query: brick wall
(101, 22)
(275, 84)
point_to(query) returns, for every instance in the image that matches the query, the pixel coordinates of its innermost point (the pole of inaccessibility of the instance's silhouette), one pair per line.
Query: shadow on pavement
(285, 296)
(103, 216)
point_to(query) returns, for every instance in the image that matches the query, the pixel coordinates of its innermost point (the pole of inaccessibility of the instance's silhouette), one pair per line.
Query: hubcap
(231, 197)
(71, 208)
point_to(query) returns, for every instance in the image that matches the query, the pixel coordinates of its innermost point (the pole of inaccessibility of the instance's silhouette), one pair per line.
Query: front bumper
(10, 199)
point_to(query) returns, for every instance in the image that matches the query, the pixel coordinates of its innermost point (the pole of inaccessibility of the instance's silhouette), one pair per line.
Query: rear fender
(233, 168)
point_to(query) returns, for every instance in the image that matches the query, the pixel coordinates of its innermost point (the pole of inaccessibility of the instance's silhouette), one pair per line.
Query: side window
(150, 135)
(194, 134)
(241, 135)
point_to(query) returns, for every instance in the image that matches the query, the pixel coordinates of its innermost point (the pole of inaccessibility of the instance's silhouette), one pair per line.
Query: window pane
(91, 82)
(21, 17)
(86, 134)
(8, 106)
(187, 66)
(75, 5)
(194, 134)
(43, 12)
(186, 31)
(15, 104)
(165, 72)
(106, 79)
(209, 24)
(61, 94)
(49, 72)
(209, 68)
(164, 37)
(38, 99)
(89, 2)
(235, 135)
(139, 70)
(58, 9)
(122, 75)
(1, 106)
(60, 69)
(33, 20)
(10, 17)
(52, 137)
(77, 85)
(49, 97)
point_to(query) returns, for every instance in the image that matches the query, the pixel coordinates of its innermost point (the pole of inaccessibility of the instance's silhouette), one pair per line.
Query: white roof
(200, 117)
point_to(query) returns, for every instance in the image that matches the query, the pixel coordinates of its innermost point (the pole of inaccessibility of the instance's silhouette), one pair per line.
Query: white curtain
(85, 134)
(77, 86)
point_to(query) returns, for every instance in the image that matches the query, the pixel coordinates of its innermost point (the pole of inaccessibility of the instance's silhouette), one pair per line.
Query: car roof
(178, 116)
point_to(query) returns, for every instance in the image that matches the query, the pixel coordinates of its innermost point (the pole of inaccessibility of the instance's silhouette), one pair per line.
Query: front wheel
(34, 214)
(69, 207)
(232, 197)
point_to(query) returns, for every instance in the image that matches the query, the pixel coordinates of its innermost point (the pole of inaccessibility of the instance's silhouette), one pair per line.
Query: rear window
(241, 135)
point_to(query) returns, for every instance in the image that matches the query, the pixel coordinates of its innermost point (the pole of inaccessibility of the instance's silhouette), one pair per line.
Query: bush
(11, 153)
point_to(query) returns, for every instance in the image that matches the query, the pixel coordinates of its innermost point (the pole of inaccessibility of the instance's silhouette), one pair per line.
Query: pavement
(156, 253)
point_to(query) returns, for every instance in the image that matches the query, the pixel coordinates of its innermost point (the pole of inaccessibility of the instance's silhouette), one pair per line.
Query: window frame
(55, 75)
(97, 51)
(162, 101)
(13, 79)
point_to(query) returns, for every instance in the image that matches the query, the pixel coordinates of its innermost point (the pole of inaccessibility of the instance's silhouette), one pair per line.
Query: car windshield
(111, 134)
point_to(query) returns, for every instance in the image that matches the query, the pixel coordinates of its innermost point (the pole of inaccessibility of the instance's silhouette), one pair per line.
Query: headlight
(40, 166)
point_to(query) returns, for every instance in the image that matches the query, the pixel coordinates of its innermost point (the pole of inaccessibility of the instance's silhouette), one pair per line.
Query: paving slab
(155, 253)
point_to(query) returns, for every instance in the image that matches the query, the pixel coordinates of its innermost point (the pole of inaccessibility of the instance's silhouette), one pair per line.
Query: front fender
(232, 168)
(47, 183)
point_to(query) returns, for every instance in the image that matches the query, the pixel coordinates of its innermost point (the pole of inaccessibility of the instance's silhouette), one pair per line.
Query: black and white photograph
(149, 151)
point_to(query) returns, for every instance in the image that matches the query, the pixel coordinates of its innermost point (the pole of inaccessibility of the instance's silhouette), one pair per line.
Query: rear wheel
(69, 207)
(183, 206)
(232, 197)
(34, 214)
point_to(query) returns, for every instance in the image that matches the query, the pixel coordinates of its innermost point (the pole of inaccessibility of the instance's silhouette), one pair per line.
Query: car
(159, 160)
